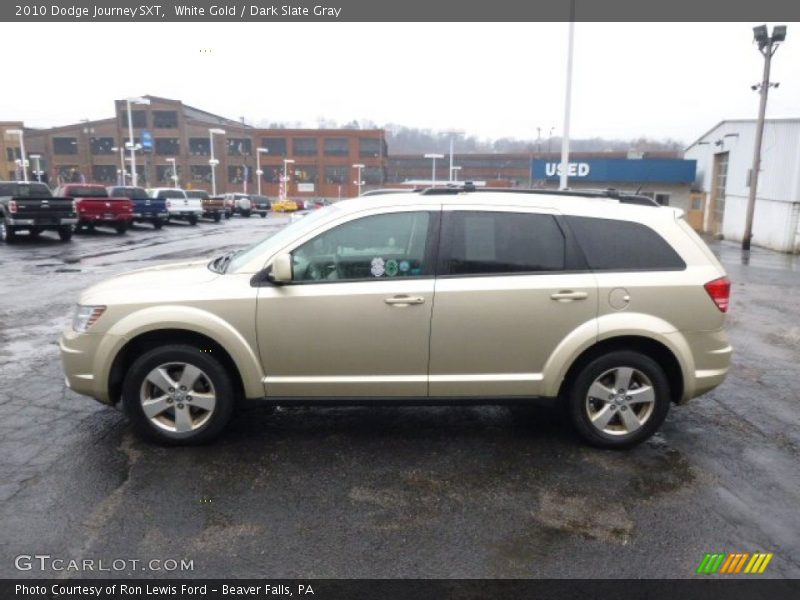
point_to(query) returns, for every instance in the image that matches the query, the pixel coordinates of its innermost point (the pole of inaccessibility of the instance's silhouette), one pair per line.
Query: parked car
(95, 207)
(213, 208)
(260, 205)
(241, 204)
(285, 205)
(612, 307)
(145, 208)
(228, 203)
(29, 206)
(179, 206)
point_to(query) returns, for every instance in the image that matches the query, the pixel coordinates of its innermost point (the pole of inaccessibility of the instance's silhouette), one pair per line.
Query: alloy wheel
(177, 397)
(620, 401)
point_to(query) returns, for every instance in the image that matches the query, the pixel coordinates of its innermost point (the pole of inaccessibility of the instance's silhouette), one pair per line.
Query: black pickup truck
(29, 206)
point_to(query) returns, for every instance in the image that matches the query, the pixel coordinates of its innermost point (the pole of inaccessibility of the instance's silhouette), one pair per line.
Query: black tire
(158, 223)
(192, 219)
(65, 233)
(217, 217)
(7, 233)
(90, 227)
(121, 228)
(263, 215)
(578, 402)
(227, 215)
(218, 377)
(245, 214)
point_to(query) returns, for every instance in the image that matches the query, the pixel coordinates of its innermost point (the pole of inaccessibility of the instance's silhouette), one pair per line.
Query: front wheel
(619, 400)
(178, 395)
(65, 233)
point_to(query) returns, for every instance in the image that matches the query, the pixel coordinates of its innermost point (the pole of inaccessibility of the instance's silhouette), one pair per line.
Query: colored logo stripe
(723, 563)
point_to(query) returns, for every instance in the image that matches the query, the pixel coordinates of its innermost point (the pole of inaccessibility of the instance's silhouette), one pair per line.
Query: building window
(199, 147)
(305, 174)
(165, 119)
(239, 147)
(200, 173)
(65, 145)
(164, 174)
(272, 174)
(275, 146)
(168, 146)
(139, 118)
(101, 145)
(304, 146)
(336, 174)
(106, 174)
(337, 147)
(238, 174)
(13, 154)
(369, 147)
(372, 175)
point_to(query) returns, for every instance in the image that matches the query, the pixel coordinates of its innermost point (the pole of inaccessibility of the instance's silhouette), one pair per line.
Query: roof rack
(613, 194)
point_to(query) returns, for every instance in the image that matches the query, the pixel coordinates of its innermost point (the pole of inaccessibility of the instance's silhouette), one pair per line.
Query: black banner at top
(396, 10)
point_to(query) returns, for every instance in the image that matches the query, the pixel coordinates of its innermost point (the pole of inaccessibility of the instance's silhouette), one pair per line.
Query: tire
(263, 215)
(190, 424)
(245, 214)
(35, 233)
(65, 233)
(217, 217)
(192, 219)
(158, 223)
(607, 418)
(121, 228)
(227, 215)
(7, 234)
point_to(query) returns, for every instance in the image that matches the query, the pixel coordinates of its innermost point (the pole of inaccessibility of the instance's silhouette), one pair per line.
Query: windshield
(86, 191)
(171, 194)
(25, 190)
(128, 192)
(287, 234)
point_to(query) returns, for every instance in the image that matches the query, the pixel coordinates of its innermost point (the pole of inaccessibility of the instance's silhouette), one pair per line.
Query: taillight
(12, 207)
(720, 292)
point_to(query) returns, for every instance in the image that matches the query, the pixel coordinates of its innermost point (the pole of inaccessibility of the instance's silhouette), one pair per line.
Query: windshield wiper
(220, 263)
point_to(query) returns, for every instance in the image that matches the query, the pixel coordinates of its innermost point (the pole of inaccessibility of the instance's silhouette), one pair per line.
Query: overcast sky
(491, 80)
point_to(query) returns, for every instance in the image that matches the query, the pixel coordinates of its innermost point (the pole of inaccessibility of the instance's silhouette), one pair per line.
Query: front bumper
(83, 359)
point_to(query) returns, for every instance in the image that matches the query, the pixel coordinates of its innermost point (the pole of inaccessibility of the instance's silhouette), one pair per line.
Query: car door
(355, 319)
(509, 289)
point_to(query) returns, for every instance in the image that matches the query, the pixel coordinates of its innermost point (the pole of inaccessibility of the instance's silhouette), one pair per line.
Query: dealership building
(724, 156)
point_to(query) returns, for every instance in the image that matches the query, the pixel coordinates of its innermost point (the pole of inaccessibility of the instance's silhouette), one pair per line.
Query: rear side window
(612, 245)
(491, 243)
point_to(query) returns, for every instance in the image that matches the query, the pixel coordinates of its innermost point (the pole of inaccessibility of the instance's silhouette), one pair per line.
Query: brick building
(10, 150)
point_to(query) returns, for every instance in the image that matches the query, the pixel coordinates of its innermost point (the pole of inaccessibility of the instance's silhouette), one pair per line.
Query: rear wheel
(65, 233)
(263, 215)
(7, 233)
(158, 223)
(217, 217)
(246, 214)
(192, 219)
(177, 394)
(619, 400)
(121, 228)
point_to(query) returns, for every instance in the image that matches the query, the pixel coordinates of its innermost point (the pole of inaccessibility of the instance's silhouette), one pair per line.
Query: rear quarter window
(614, 245)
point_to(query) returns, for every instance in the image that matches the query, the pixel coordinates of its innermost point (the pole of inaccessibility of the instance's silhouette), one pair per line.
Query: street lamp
(121, 170)
(259, 172)
(285, 179)
(433, 157)
(454, 171)
(38, 171)
(453, 133)
(767, 46)
(21, 135)
(174, 175)
(358, 180)
(567, 101)
(129, 101)
(213, 161)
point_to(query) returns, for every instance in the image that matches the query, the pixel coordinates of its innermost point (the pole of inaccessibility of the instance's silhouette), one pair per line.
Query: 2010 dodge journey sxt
(615, 309)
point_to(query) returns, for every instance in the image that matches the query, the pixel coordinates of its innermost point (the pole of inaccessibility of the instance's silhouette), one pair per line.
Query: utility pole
(767, 46)
(567, 100)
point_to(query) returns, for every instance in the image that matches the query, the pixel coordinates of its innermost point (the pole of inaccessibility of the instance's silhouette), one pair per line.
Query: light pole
(213, 161)
(129, 101)
(21, 135)
(433, 157)
(453, 133)
(259, 172)
(358, 181)
(567, 100)
(121, 151)
(286, 163)
(38, 171)
(174, 175)
(454, 171)
(767, 46)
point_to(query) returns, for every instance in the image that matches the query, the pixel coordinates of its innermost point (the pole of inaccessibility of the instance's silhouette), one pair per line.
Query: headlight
(86, 316)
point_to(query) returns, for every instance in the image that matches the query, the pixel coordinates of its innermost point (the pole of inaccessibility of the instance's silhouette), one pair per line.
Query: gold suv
(614, 308)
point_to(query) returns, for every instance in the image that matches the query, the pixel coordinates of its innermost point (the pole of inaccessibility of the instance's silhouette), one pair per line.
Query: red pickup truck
(95, 207)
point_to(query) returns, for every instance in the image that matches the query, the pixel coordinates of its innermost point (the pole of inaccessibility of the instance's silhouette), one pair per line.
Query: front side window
(391, 246)
(496, 243)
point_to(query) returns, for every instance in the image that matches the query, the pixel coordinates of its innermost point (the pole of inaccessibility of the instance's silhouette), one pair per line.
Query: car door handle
(403, 300)
(567, 296)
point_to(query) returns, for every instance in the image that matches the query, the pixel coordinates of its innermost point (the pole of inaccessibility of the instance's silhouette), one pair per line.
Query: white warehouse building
(724, 158)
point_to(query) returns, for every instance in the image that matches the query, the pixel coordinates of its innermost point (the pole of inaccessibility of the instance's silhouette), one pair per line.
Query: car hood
(151, 284)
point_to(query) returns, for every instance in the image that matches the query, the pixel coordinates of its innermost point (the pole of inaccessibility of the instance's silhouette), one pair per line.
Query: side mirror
(281, 269)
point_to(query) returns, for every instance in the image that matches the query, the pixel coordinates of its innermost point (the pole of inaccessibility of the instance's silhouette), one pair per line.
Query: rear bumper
(88, 218)
(151, 215)
(41, 222)
(711, 352)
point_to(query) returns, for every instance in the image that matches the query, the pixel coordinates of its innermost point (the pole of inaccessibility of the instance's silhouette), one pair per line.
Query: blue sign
(624, 170)
(147, 140)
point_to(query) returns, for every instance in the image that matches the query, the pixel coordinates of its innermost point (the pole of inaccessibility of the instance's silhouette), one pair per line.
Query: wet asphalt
(389, 492)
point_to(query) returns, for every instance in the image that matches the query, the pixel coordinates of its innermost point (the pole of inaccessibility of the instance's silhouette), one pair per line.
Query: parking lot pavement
(390, 492)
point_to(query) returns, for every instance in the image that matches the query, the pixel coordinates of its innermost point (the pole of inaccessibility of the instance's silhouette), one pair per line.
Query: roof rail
(622, 197)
